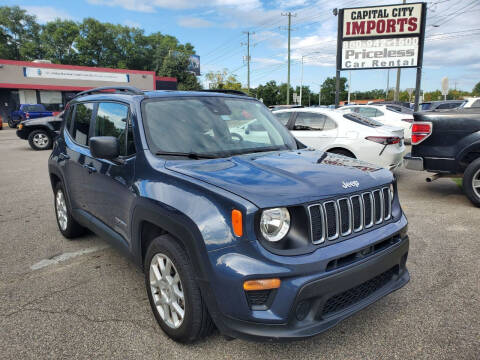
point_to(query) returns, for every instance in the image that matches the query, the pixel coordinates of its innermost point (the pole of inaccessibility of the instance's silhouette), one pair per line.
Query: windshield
(33, 108)
(218, 126)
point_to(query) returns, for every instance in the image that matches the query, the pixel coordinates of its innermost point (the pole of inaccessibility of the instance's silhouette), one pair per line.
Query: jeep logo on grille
(349, 184)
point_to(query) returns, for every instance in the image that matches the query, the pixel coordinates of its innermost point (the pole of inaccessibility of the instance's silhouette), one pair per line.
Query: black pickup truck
(447, 143)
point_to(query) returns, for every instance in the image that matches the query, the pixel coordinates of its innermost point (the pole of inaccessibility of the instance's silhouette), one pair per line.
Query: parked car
(28, 111)
(40, 132)
(264, 240)
(440, 105)
(447, 143)
(279, 107)
(472, 102)
(392, 115)
(348, 134)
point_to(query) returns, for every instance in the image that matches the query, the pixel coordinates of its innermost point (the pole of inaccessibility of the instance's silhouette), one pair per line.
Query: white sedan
(348, 134)
(391, 115)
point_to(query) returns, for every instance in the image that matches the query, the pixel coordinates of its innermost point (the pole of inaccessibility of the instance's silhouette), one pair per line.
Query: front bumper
(413, 163)
(314, 303)
(22, 134)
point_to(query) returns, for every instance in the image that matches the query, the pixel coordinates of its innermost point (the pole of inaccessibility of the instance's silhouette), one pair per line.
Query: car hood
(285, 178)
(40, 120)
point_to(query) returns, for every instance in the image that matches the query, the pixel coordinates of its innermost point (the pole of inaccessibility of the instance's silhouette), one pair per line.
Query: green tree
(223, 80)
(176, 65)
(57, 41)
(476, 90)
(268, 93)
(328, 90)
(19, 34)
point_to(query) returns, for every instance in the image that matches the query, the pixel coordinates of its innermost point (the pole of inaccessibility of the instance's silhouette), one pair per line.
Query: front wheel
(174, 295)
(471, 182)
(40, 140)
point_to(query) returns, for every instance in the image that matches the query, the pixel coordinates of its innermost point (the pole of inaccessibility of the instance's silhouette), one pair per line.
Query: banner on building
(64, 74)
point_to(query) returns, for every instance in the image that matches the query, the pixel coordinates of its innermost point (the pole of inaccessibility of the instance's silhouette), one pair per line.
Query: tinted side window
(330, 124)
(378, 112)
(447, 106)
(68, 117)
(112, 120)
(283, 117)
(309, 121)
(81, 123)
(367, 111)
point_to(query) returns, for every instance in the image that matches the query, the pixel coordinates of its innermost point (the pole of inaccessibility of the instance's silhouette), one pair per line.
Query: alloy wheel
(61, 209)
(476, 183)
(40, 140)
(167, 291)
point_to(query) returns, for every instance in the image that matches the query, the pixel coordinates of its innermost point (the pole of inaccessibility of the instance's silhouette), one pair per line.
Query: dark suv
(258, 236)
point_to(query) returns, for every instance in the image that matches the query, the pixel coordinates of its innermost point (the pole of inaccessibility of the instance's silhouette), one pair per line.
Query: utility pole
(349, 85)
(289, 14)
(248, 33)
(388, 84)
(396, 96)
(301, 83)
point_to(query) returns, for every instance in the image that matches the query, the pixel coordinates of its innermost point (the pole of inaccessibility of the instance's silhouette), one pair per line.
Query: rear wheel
(40, 140)
(12, 123)
(174, 295)
(471, 182)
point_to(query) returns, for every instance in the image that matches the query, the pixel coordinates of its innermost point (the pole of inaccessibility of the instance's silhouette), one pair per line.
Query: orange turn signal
(237, 222)
(262, 284)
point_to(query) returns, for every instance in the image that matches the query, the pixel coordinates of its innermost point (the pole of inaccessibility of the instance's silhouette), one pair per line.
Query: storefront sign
(62, 74)
(380, 37)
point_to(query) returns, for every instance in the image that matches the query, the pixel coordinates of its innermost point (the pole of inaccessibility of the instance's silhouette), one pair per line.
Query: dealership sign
(380, 37)
(63, 74)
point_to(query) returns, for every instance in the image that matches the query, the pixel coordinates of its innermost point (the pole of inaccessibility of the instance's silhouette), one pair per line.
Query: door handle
(63, 156)
(90, 168)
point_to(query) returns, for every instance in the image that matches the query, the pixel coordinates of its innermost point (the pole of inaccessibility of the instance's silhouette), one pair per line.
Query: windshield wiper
(190, 155)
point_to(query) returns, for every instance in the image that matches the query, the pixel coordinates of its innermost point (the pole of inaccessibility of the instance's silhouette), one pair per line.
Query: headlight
(274, 224)
(20, 126)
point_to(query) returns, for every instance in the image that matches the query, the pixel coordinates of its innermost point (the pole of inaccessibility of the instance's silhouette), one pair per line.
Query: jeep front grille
(341, 217)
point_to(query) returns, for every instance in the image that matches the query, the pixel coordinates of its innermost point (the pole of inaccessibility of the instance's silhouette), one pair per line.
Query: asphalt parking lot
(82, 299)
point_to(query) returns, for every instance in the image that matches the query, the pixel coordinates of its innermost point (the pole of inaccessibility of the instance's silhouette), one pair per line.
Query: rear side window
(367, 111)
(113, 120)
(283, 117)
(330, 124)
(448, 106)
(81, 123)
(309, 121)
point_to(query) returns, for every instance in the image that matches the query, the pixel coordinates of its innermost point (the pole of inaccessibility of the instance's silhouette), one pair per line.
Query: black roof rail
(226, 91)
(128, 90)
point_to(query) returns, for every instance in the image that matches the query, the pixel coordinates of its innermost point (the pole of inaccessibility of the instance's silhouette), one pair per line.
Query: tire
(12, 123)
(196, 322)
(343, 152)
(40, 140)
(471, 182)
(66, 224)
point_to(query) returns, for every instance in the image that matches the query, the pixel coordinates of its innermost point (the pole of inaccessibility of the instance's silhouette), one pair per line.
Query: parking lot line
(66, 256)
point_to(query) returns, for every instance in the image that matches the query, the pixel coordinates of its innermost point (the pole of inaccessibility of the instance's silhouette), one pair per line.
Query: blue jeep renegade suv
(235, 224)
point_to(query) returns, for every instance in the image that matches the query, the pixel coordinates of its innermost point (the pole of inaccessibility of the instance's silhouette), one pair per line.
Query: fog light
(302, 310)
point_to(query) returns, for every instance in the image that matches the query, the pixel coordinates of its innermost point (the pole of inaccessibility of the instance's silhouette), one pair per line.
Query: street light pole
(301, 83)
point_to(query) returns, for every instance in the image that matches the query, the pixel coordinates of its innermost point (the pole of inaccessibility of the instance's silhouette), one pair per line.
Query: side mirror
(104, 147)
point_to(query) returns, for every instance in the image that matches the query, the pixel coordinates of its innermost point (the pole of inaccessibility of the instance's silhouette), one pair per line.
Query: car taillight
(384, 140)
(408, 120)
(421, 131)
(27, 115)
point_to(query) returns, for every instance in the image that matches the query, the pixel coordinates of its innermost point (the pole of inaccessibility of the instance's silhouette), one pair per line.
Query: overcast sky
(216, 27)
